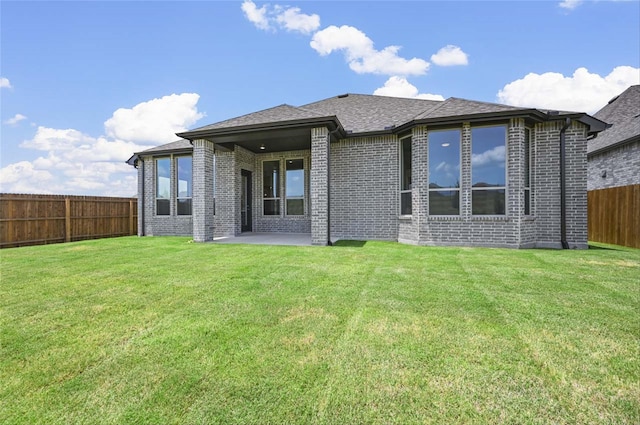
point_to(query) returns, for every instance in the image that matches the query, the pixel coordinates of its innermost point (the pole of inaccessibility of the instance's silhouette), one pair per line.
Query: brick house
(614, 155)
(454, 172)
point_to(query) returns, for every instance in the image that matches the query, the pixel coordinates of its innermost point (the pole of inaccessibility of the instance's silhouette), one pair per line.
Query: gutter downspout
(563, 187)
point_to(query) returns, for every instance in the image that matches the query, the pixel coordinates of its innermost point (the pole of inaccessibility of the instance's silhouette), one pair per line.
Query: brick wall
(365, 188)
(622, 166)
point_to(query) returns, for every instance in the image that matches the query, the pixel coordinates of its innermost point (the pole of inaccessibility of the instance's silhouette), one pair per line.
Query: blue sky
(85, 84)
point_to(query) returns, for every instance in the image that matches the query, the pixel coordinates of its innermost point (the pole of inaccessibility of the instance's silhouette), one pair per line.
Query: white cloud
(581, 92)
(290, 18)
(400, 87)
(362, 56)
(258, 16)
(81, 164)
(570, 4)
(155, 121)
(450, 55)
(492, 156)
(15, 119)
(5, 83)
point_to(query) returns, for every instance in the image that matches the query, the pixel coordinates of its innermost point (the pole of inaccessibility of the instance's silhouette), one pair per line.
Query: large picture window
(185, 184)
(405, 176)
(488, 171)
(444, 172)
(163, 186)
(271, 187)
(294, 186)
(527, 171)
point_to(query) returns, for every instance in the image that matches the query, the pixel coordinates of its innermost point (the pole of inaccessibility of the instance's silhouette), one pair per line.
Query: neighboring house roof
(623, 113)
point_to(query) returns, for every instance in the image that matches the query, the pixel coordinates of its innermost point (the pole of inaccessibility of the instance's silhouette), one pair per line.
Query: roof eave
(331, 122)
(615, 145)
(533, 114)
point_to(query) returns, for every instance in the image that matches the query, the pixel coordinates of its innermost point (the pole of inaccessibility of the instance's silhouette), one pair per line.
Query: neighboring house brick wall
(365, 188)
(622, 166)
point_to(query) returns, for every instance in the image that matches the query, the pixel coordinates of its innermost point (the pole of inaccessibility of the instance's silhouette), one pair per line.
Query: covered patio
(257, 238)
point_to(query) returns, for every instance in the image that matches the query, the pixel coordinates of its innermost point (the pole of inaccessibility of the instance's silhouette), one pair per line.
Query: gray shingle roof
(455, 107)
(276, 114)
(623, 112)
(177, 145)
(361, 113)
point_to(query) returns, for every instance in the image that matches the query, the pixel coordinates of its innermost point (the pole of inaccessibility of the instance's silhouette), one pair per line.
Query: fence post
(131, 221)
(67, 219)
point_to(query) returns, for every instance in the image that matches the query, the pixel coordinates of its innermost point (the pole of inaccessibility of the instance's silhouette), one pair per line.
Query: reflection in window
(444, 172)
(295, 186)
(405, 176)
(488, 175)
(271, 187)
(185, 185)
(163, 186)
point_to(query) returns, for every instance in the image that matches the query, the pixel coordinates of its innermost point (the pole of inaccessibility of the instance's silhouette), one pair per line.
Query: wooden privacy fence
(614, 215)
(43, 219)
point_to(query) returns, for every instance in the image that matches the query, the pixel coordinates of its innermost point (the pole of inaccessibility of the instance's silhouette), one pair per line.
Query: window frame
(304, 185)
(446, 189)
(403, 190)
(157, 186)
(278, 189)
(179, 198)
(506, 173)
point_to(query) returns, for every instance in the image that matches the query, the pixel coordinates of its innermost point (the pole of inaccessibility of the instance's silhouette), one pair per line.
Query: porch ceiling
(277, 140)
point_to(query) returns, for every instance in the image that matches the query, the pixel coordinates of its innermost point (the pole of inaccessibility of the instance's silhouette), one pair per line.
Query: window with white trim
(405, 176)
(444, 172)
(184, 171)
(294, 186)
(163, 186)
(271, 187)
(488, 170)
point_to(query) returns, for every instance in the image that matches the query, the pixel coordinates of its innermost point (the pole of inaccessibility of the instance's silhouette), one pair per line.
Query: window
(405, 176)
(271, 187)
(163, 186)
(527, 171)
(444, 172)
(185, 184)
(295, 186)
(488, 176)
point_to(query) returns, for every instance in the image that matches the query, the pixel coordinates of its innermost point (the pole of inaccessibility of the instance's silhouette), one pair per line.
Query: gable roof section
(279, 113)
(454, 106)
(362, 113)
(623, 113)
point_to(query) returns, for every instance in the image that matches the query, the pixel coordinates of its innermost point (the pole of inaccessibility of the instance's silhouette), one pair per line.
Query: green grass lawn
(159, 330)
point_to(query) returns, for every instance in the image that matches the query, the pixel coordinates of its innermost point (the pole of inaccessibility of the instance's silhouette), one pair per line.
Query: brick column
(320, 186)
(202, 201)
(420, 182)
(140, 169)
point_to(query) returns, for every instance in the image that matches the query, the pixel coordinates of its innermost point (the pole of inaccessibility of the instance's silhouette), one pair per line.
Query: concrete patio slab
(296, 239)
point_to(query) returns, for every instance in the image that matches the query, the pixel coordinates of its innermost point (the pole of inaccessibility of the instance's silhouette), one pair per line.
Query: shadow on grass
(609, 247)
(348, 243)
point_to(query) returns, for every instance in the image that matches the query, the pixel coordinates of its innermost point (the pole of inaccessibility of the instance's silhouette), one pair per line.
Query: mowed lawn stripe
(160, 330)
